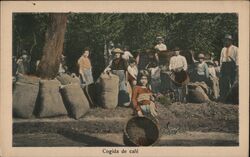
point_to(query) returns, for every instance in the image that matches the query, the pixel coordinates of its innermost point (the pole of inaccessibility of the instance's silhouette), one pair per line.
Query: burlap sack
(109, 88)
(196, 94)
(27, 79)
(67, 79)
(24, 97)
(75, 100)
(51, 103)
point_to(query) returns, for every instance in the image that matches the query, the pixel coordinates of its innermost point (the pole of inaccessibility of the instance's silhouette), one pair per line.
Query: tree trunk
(53, 48)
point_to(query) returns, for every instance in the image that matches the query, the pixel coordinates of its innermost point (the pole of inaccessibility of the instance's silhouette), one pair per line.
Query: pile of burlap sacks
(199, 92)
(64, 95)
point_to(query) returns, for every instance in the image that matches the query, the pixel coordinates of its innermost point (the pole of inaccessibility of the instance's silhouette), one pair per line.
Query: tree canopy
(201, 32)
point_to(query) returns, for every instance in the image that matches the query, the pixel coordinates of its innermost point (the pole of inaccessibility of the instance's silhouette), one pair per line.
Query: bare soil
(208, 124)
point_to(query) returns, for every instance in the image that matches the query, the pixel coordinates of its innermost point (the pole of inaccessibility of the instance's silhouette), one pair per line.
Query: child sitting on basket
(142, 97)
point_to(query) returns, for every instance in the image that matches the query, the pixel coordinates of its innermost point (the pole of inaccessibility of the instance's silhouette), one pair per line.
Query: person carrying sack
(229, 66)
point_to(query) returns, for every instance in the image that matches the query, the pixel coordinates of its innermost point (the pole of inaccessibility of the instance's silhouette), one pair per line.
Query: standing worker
(85, 68)
(160, 44)
(178, 65)
(119, 67)
(229, 66)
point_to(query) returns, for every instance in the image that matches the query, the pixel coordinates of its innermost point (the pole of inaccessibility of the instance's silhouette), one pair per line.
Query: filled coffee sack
(75, 101)
(67, 79)
(25, 94)
(196, 94)
(108, 90)
(50, 99)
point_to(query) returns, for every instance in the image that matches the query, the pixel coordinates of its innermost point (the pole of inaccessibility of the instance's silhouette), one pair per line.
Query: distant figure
(202, 73)
(85, 67)
(23, 63)
(149, 56)
(14, 65)
(111, 48)
(132, 72)
(127, 54)
(178, 65)
(62, 66)
(160, 44)
(217, 68)
(155, 78)
(142, 97)
(229, 66)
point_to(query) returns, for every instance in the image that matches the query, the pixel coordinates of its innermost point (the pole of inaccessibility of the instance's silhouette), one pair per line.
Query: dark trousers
(227, 78)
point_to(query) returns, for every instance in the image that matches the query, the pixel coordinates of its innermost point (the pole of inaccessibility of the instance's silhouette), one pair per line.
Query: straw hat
(227, 36)
(201, 56)
(117, 50)
(160, 38)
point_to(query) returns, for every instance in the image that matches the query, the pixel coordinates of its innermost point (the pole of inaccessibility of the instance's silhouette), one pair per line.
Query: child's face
(144, 80)
(86, 53)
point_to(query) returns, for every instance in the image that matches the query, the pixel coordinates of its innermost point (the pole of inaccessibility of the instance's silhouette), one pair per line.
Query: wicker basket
(141, 131)
(180, 78)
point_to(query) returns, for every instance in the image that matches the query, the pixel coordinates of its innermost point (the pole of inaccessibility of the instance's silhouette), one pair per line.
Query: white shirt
(233, 53)
(126, 55)
(133, 71)
(161, 47)
(178, 62)
(155, 72)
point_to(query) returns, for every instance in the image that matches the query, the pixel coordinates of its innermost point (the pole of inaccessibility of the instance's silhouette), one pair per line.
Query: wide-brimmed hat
(201, 56)
(117, 50)
(176, 49)
(160, 38)
(228, 36)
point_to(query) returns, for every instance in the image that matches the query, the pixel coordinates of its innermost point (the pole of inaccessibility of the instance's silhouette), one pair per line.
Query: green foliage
(197, 31)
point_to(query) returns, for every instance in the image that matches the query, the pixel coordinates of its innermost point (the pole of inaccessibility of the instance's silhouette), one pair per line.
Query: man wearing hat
(202, 73)
(178, 64)
(160, 45)
(23, 63)
(229, 66)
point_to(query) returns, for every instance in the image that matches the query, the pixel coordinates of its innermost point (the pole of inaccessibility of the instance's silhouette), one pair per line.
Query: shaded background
(200, 32)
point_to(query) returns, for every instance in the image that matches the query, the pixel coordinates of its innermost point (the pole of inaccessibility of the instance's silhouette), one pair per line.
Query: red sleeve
(134, 98)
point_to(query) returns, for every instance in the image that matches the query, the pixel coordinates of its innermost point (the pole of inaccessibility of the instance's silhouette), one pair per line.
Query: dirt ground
(208, 124)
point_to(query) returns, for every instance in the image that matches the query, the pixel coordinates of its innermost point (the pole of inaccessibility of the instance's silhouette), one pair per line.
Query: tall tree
(53, 47)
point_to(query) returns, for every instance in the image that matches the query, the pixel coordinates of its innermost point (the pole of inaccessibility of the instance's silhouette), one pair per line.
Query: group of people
(143, 72)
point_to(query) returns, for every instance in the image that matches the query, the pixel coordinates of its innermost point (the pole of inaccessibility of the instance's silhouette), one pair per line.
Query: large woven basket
(180, 78)
(141, 131)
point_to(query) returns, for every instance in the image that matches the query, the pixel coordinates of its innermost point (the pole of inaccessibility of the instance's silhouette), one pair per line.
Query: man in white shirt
(229, 66)
(160, 45)
(177, 64)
